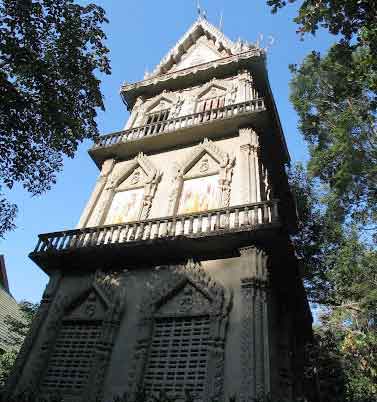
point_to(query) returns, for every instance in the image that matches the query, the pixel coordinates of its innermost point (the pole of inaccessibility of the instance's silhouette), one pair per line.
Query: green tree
(335, 97)
(50, 52)
(340, 274)
(18, 329)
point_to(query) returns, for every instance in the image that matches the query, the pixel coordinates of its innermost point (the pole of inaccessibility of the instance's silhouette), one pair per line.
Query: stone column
(250, 165)
(246, 86)
(107, 168)
(255, 345)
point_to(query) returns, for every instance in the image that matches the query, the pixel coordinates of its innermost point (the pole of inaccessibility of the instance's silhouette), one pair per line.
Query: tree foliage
(50, 51)
(335, 95)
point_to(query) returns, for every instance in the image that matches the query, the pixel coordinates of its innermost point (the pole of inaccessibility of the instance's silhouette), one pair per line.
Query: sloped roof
(201, 27)
(8, 306)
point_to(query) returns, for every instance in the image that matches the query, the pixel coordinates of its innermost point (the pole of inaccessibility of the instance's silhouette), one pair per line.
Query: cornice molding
(253, 53)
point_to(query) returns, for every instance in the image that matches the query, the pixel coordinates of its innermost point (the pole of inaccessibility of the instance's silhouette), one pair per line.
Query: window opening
(160, 118)
(72, 358)
(178, 356)
(211, 104)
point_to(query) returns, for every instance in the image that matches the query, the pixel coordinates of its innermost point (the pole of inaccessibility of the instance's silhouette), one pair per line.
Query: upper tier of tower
(205, 87)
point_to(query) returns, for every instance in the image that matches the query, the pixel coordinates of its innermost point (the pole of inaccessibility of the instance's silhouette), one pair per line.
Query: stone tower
(181, 275)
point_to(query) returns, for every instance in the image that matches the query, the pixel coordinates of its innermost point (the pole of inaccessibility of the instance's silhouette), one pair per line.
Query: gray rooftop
(8, 306)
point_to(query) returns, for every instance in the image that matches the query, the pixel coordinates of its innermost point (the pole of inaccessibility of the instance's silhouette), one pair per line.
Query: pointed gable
(202, 43)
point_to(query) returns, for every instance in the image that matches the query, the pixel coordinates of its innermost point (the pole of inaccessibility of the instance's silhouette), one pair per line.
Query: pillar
(250, 165)
(255, 346)
(107, 168)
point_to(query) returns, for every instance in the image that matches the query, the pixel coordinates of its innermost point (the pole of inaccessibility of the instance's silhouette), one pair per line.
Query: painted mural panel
(199, 194)
(125, 206)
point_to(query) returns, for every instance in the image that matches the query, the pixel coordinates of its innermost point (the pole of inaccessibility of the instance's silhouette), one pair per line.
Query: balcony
(212, 234)
(176, 131)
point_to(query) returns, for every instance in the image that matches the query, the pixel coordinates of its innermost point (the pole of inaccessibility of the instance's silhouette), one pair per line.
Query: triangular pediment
(202, 43)
(204, 166)
(201, 52)
(136, 178)
(92, 307)
(162, 103)
(186, 300)
(212, 91)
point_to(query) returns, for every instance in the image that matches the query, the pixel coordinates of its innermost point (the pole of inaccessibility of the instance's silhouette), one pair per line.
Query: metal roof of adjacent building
(8, 307)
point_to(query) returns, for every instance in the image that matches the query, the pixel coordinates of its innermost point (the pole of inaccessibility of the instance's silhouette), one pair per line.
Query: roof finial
(201, 13)
(221, 21)
(198, 8)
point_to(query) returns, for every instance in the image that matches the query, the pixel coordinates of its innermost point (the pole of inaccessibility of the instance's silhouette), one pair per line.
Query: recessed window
(211, 104)
(178, 356)
(72, 358)
(156, 121)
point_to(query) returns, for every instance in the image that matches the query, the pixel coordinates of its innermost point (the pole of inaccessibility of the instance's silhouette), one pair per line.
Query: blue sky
(140, 33)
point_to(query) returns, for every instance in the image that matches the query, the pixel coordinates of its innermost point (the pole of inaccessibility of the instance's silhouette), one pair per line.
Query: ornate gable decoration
(211, 90)
(185, 170)
(212, 39)
(140, 172)
(186, 286)
(161, 102)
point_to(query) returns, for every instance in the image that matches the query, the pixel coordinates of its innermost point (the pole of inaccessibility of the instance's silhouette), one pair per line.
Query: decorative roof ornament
(221, 24)
(201, 12)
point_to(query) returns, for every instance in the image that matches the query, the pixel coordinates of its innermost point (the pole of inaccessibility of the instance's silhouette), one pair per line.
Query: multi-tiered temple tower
(180, 275)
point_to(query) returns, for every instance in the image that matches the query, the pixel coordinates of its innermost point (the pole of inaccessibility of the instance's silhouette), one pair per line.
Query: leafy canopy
(50, 51)
(335, 97)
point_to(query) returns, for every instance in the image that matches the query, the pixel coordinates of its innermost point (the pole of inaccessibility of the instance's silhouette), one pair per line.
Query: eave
(252, 59)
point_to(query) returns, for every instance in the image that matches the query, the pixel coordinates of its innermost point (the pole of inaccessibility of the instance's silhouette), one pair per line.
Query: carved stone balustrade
(160, 236)
(124, 143)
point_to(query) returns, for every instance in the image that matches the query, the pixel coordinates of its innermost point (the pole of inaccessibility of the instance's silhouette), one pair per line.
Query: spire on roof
(201, 12)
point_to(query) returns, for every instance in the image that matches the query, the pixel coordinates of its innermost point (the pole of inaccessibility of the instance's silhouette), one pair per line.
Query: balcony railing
(217, 221)
(226, 112)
